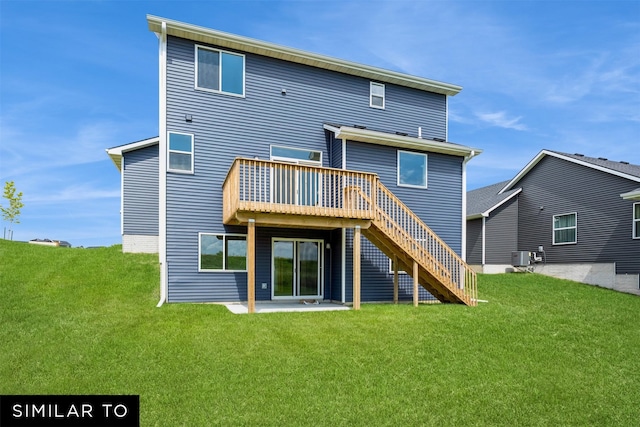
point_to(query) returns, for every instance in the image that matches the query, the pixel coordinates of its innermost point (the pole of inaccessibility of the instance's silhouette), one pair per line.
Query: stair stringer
(440, 270)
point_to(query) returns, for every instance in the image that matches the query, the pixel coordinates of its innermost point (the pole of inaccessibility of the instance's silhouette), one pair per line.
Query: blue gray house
(280, 174)
(580, 215)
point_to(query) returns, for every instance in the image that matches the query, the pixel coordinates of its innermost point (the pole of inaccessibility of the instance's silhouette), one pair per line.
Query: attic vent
(602, 158)
(623, 162)
(578, 154)
(402, 133)
(359, 127)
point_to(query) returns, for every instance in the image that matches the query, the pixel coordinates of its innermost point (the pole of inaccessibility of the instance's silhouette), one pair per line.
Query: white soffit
(245, 44)
(116, 152)
(401, 141)
(631, 195)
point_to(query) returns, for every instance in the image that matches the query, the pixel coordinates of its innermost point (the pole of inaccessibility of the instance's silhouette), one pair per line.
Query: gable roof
(401, 140)
(622, 169)
(245, 44)
(482, 201)
(116, 152)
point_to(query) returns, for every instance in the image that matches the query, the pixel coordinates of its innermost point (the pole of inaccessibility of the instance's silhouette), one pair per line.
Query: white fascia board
(401, 141)
(245, 44)
(475, 216)
(116, 152)
(543, 153)
(631, 195)
(486, 213)
(502, 202)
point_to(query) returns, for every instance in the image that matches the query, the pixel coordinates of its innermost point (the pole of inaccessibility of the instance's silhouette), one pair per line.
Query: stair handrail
(468, 290)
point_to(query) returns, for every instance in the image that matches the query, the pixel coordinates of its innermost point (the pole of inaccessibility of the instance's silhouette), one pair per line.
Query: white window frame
(426, 168)
(224, 252)
(554, 229)
(295, 241)
(220, 51)
(371, 95)
(169, 151)
(294, 160)
(636, 223)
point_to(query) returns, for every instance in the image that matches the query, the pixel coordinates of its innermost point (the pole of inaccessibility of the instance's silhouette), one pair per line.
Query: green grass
(540, 352)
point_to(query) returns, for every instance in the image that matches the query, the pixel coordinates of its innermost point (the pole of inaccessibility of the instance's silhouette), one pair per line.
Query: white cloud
(500, 119)
(72, 193)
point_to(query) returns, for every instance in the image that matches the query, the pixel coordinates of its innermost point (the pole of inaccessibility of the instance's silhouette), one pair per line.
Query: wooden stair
(403, 236)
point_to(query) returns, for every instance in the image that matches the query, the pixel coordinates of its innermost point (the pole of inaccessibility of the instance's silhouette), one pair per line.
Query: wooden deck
(277, 194)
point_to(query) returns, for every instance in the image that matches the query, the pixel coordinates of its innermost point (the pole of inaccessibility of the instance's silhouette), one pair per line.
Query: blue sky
(77, 77)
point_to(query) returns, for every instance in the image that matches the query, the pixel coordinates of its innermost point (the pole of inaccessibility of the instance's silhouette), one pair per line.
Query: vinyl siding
(502, 226)
(474, 242)
(439, 206)
(554, 187)
(225, 127)
(140, 192)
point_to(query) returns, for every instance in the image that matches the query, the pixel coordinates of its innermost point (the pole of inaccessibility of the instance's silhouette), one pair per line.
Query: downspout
(463, 255)
(343, 247)
(162, 145)
(484, 224)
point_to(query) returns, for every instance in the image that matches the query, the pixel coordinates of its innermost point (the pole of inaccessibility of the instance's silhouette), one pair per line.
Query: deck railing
(254, 185)
(273, 187)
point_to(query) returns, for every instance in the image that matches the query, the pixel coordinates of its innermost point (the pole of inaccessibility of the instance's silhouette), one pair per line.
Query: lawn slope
(540, 352)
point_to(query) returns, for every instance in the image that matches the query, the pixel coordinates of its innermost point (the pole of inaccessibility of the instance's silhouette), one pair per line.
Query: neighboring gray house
(579, 214)
(270, 164)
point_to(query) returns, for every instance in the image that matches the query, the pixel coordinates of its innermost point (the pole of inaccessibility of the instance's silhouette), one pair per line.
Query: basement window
(222, 252)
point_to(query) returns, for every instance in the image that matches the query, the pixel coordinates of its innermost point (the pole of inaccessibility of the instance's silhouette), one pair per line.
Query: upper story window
(376, 95)
(636, 220)
(412, 169)
(180, 155)
(219, 71)
(565, 229)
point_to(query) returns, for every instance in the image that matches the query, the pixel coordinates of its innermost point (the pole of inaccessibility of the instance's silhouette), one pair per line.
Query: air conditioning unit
(520, 258)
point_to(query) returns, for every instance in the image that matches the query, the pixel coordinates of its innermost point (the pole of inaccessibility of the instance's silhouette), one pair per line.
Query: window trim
(426, 169)
(635, 229)
(169, 151)
(554, 229)
(224, 254)
(220, 51)
(294, 160)
(371, 95)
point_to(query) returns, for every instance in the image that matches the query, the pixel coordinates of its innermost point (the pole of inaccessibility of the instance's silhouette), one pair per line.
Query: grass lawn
(540, 352)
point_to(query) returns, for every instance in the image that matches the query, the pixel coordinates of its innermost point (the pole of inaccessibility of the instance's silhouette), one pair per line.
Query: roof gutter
(401, 141)
(258, 47)
(631, 195)
(162, 159)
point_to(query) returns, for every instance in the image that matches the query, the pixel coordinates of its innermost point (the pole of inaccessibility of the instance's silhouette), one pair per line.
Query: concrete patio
(283, 307)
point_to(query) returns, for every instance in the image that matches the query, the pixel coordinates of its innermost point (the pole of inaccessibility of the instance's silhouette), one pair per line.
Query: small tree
(12, 212)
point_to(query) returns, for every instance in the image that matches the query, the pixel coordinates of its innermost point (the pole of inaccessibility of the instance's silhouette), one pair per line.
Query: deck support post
(415, 284)
(396, 279)
(251, 266)
(356, 268)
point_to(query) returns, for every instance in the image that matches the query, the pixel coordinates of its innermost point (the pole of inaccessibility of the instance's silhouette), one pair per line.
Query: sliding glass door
(297, 268)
